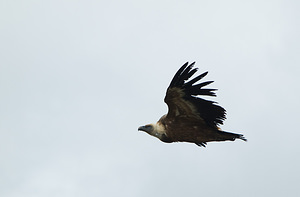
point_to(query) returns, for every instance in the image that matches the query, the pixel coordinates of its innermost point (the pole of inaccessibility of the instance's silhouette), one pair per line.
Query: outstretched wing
(182, 97)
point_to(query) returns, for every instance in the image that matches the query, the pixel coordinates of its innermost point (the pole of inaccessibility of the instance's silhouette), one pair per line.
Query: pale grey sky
(77, 78)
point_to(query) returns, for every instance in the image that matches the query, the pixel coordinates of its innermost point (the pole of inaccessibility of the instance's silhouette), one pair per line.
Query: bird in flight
(190, 118)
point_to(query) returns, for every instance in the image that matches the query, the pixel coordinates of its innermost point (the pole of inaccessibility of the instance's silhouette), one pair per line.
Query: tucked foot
(202, 144)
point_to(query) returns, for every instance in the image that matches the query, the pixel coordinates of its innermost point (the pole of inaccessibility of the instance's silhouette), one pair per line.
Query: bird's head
(156, 130)
(147, 128)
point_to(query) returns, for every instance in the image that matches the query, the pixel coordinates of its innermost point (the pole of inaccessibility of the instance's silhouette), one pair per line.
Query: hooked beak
(146, 128)
(142, 128)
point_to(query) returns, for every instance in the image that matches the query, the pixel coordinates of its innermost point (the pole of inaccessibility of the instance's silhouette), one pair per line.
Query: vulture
(190, 118)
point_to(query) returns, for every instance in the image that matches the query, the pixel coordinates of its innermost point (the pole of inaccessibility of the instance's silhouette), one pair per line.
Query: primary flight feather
(190, 118)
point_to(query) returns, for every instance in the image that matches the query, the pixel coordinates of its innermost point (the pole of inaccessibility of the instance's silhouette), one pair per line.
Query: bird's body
(190, 118)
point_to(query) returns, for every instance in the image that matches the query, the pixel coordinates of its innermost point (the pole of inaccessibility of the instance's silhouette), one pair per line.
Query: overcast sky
(77, 78)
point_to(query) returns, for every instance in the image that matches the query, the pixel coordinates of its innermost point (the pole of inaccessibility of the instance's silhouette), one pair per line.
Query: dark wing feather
(182, 97)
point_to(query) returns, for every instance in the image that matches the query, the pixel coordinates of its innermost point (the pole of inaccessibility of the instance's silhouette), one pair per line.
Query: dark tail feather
(223, 136)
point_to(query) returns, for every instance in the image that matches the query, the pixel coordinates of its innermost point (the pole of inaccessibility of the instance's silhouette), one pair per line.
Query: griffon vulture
(190, 118)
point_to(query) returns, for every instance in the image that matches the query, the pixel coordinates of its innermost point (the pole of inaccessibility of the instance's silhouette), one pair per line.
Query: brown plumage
(190, 118)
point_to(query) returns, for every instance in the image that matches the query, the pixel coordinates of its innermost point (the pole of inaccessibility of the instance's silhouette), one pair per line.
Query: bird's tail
(223, 136)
